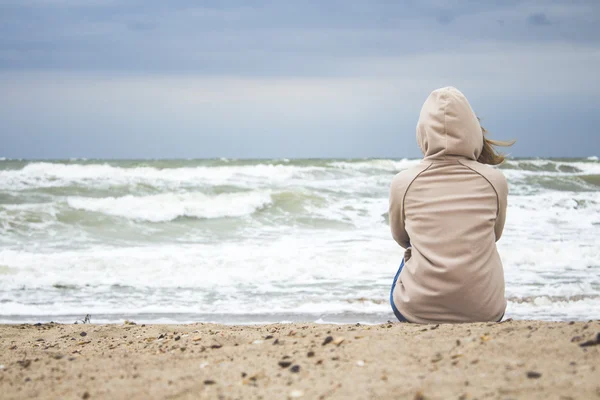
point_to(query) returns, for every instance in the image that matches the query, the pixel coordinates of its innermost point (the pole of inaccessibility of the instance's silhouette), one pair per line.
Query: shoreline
(506, 360)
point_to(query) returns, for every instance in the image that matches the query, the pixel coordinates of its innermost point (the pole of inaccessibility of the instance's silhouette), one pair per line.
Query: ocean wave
(522, 182)
(536, 300)
(377, 164)
(170, 206)
(68, 310)
(552, 167)
(172, 176)
(540, 165)
(48, 175)
(134, 215)
(245, 308)
(548, 299)
(591, 179)
(27, 218)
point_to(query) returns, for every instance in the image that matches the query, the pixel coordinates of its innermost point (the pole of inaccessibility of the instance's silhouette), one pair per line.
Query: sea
(263, 241)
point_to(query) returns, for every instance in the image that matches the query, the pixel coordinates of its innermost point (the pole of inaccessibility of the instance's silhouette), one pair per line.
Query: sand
(508, 360)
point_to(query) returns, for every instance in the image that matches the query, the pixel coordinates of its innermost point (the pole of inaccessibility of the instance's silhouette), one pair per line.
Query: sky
(275, 78)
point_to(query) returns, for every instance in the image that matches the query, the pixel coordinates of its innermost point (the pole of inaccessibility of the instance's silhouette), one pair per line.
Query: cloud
(371, 111)
(268, 38)
(444, 19)
(539, 19)
(142, 26)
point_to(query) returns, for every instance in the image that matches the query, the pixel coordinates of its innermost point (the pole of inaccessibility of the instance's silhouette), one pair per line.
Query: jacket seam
(490, 183)
(406, 192)
(445, 128)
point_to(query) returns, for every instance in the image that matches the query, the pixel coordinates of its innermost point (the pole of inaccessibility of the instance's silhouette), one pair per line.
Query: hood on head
(448, 126)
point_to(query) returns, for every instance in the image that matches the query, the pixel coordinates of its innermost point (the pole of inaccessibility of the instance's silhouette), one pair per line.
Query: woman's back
(449, 211)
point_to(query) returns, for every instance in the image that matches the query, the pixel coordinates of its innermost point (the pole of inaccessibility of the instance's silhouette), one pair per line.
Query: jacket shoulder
(493, 175)
(404, 178)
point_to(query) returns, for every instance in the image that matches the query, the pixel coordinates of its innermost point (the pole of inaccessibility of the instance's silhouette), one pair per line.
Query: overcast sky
(260, 78)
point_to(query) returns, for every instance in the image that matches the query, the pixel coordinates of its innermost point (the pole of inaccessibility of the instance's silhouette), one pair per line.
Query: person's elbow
(402, 239)
(498, 229)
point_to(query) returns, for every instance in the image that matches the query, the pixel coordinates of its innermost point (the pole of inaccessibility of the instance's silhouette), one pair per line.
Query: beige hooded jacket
(448, 212)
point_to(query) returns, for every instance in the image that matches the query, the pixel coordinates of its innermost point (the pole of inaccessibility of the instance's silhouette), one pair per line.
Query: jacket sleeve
(396, 211)
(501, 187)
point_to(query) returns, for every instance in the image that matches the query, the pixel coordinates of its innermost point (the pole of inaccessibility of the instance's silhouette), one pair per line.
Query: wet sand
(508, 360)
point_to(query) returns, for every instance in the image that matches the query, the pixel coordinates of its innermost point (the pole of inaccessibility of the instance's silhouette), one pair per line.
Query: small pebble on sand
(420, 396)
(593, 342)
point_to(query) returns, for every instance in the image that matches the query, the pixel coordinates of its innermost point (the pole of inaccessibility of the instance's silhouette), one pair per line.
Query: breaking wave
(170, 206)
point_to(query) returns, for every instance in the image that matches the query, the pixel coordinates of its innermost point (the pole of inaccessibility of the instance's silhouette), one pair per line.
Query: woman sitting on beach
(448, 213)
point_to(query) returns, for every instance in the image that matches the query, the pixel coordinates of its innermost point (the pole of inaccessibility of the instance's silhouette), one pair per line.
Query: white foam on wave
(169, 206)
(363, 213)
(549, 245)
(298, 258)
(592, 158)
(252, 307)
(28, 218)
(44, 175)
(377, 164)
(545, 309)
(261, 175)
(196, 305)
(552, 213)
(582, 167)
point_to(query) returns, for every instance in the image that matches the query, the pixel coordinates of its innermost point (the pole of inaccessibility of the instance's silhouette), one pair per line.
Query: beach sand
(508, 360)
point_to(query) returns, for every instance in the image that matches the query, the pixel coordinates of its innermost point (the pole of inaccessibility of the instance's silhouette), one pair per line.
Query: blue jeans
(396, 312)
